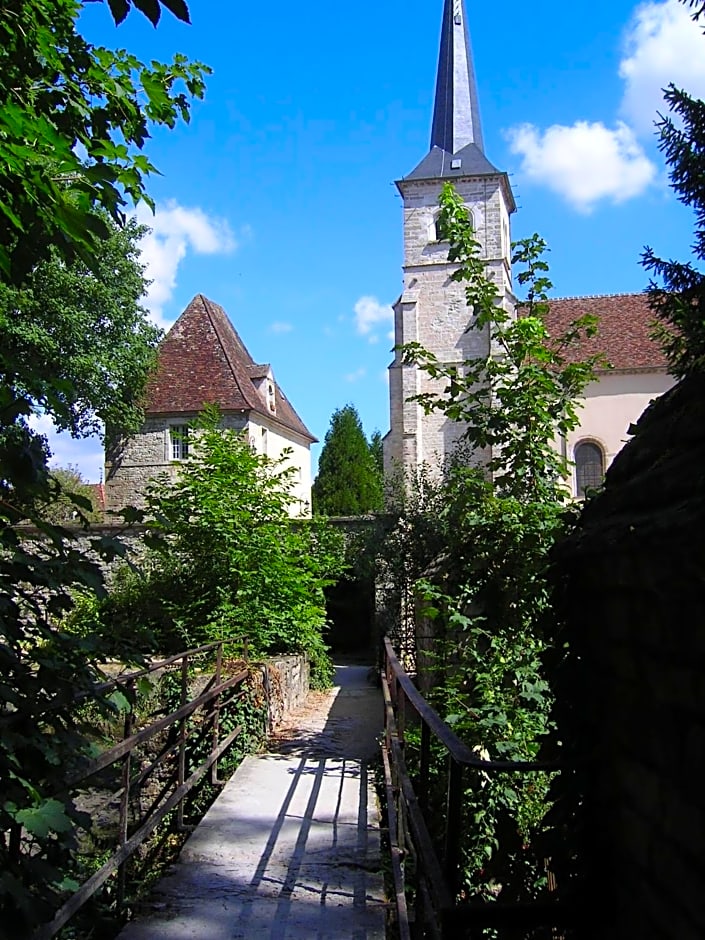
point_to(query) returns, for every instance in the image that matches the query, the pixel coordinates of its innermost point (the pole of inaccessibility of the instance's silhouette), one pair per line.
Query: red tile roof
(98, 490)
(203, 360)
(625, 322)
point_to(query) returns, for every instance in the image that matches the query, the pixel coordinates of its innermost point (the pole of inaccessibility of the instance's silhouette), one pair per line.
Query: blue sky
(277, 200)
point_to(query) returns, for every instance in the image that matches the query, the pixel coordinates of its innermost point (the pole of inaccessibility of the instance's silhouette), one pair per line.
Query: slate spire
(456, 112)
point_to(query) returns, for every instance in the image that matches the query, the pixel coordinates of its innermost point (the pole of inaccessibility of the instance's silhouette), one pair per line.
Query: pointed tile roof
(456, 111)
(457, 147)
(202, 360)
(439, 164)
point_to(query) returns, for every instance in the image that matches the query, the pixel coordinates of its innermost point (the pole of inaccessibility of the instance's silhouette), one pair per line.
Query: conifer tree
(677, 293)
(349, 480)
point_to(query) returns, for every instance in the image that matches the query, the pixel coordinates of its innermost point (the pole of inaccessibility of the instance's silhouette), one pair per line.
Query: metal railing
(186, 744)
(439, 913)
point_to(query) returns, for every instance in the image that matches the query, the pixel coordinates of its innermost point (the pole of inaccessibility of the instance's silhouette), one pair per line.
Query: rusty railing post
(123, 821)
(424, 765)
(216, 711)
(181, 770)
(454, 820)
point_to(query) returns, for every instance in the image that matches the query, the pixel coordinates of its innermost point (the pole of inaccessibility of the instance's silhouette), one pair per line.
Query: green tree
(75, 341)
(486, 592)
(377, 451)
(73, 498)
(74, 121)
(349, 480)
(514, 401)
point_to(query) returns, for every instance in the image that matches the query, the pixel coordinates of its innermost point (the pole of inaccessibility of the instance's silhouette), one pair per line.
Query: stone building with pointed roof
(202, 360)
(432, 309)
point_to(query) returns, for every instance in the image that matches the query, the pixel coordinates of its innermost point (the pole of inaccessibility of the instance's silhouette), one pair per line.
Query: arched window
(437, 235)
(589, 467)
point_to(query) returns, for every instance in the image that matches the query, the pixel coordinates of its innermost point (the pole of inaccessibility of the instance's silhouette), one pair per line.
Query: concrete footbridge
(290, 850)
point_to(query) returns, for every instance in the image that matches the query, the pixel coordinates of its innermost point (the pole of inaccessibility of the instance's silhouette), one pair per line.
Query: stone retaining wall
(286, 681)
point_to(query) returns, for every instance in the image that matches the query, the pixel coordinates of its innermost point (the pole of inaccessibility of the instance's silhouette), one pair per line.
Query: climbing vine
(484, 597)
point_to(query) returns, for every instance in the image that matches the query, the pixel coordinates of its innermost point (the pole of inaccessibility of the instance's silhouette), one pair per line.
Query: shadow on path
(290, 850)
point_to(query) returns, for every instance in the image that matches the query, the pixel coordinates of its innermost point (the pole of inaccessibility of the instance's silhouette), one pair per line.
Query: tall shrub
(349, 480)
(486, 592)
(230, 562)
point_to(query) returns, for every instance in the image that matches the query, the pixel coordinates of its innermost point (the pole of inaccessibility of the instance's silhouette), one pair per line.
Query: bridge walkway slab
(290, 850)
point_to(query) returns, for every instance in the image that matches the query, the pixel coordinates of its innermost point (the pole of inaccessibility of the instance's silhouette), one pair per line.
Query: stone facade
(286, 685)
(267, 439)
(132, 463)
(432, 310)
(609, 407)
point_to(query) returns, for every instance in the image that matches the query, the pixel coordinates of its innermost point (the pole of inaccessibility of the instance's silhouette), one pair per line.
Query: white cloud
(371, 315)
(662, 45)
(280, 327)
(174, 231)
(584, 163)
(84, 453)
(356, 375)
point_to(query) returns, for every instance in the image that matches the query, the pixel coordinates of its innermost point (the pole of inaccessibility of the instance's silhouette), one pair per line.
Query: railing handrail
(459, 751)
(144, 734)
(437, 872)
(127, 677)
(178, 784)
(98, 690)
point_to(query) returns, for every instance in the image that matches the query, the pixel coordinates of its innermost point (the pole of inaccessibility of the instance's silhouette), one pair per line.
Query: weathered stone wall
(433, 312)
(287, 683)
(632, 590)
(132, 463)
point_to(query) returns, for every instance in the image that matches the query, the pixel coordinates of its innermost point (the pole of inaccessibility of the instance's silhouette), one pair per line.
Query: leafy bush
(226, 561)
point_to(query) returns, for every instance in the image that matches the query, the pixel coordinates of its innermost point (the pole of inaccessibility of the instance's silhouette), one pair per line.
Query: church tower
(432, 310)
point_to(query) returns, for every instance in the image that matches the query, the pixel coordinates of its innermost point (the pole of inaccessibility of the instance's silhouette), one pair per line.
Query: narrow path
(290, 849)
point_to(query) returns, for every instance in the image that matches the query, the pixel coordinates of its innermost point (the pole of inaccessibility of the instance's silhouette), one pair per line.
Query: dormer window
(271, 397)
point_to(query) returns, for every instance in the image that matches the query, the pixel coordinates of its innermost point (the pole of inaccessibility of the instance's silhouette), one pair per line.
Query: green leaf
(119, 702)
(48, 816)
(119, 10)
(150, 8)
(178, 8)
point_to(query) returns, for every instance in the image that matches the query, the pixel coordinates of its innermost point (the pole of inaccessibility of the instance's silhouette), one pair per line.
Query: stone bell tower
(432, 308)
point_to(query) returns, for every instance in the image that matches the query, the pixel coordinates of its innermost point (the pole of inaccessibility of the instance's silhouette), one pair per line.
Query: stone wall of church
(610, 405)
(433, 311)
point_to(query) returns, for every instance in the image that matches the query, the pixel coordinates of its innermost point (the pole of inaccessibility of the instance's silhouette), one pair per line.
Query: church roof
(457, 147)
(203, 360)
(440, 164)
(456, 110)
(625, 323)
